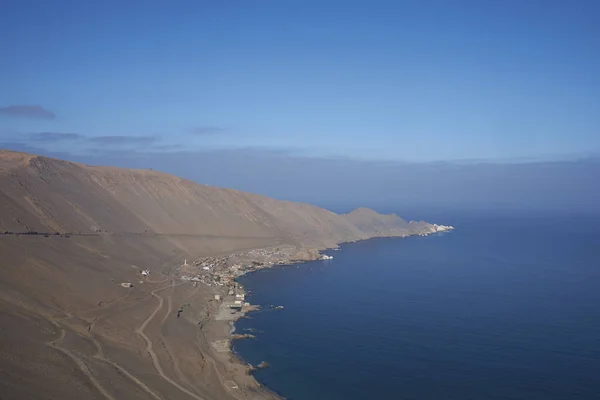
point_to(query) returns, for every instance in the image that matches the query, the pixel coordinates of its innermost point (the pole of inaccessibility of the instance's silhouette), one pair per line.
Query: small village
(221, 272)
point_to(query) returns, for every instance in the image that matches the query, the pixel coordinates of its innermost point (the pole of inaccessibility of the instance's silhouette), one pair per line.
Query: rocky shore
(219, 274)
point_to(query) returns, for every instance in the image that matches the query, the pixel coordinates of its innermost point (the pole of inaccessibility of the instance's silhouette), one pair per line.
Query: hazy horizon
(465, 105)
(343, 184)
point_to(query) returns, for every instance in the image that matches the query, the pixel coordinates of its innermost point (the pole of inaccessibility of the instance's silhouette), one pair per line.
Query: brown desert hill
(47, 195)
(370, 221)
(373, 224)
(71, 233)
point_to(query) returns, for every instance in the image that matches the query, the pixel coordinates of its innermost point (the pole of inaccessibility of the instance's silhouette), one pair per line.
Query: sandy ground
(68, 330)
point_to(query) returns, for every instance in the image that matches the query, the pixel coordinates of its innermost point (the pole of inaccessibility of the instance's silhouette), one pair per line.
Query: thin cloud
(55, 136)
(167, 147)
(207, 130)
(109, 153)
(27, 111)
(123, 140)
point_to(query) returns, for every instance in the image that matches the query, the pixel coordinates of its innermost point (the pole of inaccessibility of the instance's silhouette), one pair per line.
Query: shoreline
(220, 275)
(262, 391)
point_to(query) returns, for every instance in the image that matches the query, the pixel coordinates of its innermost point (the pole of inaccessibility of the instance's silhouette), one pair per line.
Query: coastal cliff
(91, 268)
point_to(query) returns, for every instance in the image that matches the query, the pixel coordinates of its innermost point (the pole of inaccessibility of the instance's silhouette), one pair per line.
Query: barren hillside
(71, 233)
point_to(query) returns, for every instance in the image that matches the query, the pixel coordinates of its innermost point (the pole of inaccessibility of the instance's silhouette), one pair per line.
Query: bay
(507, 306)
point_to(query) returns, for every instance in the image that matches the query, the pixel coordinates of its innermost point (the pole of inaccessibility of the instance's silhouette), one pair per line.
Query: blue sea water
(505, 307)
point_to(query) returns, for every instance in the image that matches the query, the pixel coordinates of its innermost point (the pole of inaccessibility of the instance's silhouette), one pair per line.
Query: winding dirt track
(100, 356)
(149, 344)
(174, 360)
(84, 368)
(100, 353)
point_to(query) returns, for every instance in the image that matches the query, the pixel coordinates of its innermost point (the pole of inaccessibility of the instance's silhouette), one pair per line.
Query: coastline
(221, 339)
(220, 276)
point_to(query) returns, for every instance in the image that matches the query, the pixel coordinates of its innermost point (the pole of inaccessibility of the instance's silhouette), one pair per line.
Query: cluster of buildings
(442, 228)
(222, 271)
(239, 301)
(435, 228)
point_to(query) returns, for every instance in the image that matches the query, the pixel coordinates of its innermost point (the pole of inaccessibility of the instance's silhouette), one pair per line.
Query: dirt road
(149, 344)
(84, 368)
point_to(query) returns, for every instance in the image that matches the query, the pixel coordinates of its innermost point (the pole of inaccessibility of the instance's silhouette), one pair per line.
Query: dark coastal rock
(238, 336)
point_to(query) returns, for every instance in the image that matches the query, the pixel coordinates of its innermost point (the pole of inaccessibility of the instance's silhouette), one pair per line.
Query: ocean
(507, 306)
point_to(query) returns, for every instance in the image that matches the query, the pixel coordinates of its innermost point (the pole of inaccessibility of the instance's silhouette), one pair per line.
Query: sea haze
(505, 307)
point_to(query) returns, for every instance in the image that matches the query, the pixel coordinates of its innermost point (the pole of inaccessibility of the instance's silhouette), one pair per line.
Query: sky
(368, 85)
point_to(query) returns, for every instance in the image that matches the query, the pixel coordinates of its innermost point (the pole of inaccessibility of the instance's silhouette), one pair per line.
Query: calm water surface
(505, 307)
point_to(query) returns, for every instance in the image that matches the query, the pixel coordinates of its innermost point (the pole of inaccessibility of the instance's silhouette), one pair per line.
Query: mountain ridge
(62, 196)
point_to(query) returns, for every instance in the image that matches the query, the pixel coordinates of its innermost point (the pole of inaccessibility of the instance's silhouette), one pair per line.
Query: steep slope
(47, 195)
(372, 223)
(71, 233)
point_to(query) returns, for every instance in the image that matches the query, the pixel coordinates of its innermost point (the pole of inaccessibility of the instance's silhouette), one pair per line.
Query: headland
(119, 283)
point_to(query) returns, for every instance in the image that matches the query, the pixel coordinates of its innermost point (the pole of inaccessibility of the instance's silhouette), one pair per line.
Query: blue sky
(376, 80)
(389, 104)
